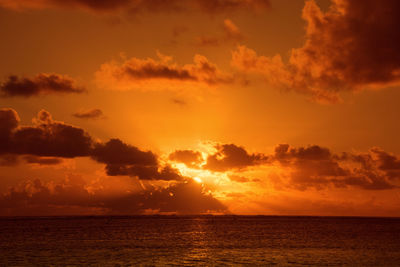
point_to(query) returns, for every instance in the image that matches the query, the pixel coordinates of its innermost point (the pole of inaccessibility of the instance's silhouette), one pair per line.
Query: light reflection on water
(199, 240)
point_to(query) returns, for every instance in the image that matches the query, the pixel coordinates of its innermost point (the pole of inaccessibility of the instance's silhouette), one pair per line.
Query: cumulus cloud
(55, 139)
(89, 114)
(41, 84)
(230, 156)
(143, 6)
(9, 120)
(151, 74)
(352, 46)
(73, 196)
(117, 152)
(190, 158)
(46, 138)
(301, 168)
(317, 167)
(127, 160)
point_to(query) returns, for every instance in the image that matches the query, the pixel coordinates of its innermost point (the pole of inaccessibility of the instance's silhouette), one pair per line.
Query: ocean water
(199, 240)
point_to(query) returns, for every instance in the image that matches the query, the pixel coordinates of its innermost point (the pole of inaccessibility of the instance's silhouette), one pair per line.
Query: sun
(197, 179)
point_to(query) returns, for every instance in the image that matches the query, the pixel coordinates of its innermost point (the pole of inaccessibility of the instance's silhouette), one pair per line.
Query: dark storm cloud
(49, 138)
(72, 197)
(144, 6)
(353, 46)
(230, 156)
(190, 158)
(41, 84)
(89, 114)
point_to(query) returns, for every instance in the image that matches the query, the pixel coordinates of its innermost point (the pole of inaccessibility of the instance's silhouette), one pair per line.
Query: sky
(252, 107)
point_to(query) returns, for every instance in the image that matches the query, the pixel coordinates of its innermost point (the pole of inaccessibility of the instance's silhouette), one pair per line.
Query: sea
(199, 241)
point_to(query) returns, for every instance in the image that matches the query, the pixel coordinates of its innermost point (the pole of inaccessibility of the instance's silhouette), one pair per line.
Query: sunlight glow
(197, 179)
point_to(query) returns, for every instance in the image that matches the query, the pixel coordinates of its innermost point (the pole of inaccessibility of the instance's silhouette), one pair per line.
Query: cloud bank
(351, 47)
(73, 196)
(50, 138)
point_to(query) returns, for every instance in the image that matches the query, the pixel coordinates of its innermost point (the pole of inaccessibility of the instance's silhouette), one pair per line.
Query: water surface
(200, 240)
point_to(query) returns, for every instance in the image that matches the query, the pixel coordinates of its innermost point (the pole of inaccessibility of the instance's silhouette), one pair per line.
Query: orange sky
(229, 106)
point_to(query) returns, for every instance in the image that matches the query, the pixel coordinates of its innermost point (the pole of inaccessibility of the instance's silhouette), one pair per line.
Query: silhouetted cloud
(72, 197)
(117, 152)
(46, 138)
(190, 158)
(9, 120)
(353, 46)
(123, 159)
(143, 6)
(89, 114)
(49, 138)
(41, 84)
(230, 156)
(161, 74)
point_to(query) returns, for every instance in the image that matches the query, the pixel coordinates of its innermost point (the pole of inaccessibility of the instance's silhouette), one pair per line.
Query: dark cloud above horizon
(143, 6)
(190, 158)
(351, 47)
(303, 168)
(317, 167)
(230, 156)
(50, 138)
(41, 84)
(72, 197)
(45, 138)
(127, 160)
